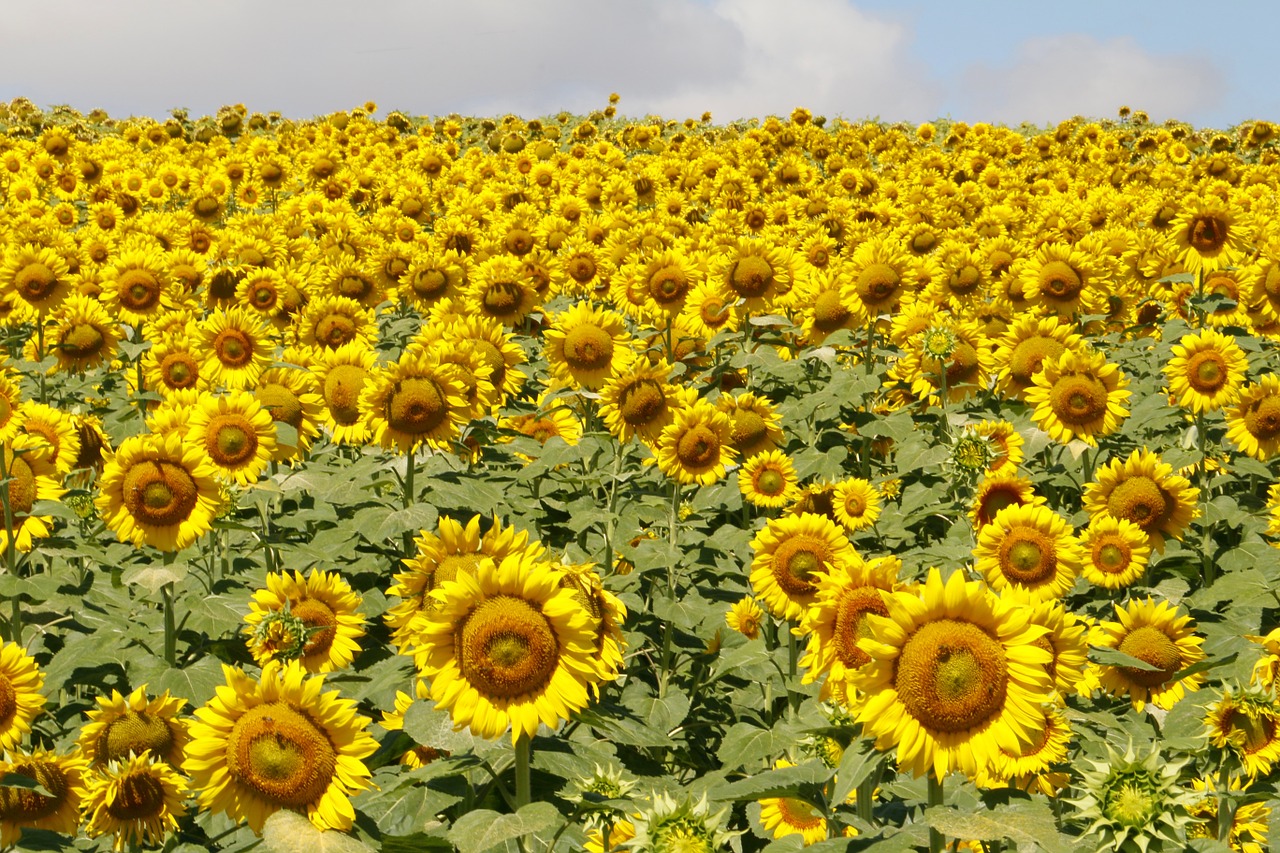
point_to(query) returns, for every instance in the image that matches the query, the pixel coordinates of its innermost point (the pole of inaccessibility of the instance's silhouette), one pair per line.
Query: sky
(1000, 61)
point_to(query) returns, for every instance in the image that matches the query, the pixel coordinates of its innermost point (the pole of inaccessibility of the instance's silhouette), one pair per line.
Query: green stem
(793, 667)
(10, 553)
(1202, 477)
(40, 357)
(170, 626)
(410, 495)
(523, 746)
(866, 794)
(936, 840)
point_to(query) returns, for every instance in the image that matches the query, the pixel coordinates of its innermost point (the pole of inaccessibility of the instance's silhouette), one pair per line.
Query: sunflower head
(1130, 803)
(681, 825)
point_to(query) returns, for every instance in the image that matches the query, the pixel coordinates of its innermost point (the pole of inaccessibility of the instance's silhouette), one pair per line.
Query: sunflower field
(597, 484)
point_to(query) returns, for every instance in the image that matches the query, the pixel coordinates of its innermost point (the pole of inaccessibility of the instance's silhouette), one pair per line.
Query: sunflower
(495, 346)
(769, 479)
(657, 285)
(1116, 551)
(856, 504)
(756, 424)
(138, 286)
(432, 276)
(641, 401)
(291, 397)
(393, 721)
(238, 348)
(1006, 445)
(324, 603)
(586, 346)
(38, 279)
(84, 335)
(550, 421)
(1029, 547)
(1206, 371)
(330, 322)
(783, 816)
(121, 726)
(1247, 723)
(1253, 421)
(343, 375)
(1156, 635)
(417, 400)
(57, 810)
(708, 310)
(1066, 280)
(501, 289)
(996, 492)
(172, 364)
(10, 406)
(755, 272)
(790, 556)
(1145, 491)
(1209, 234)
(1027, 346)
(1250, 821)
(955, 675)
(846, 595)
(1031, 767)
(1080, 396)
(278, 742)
(745, 617)
(20, 696)
(235, 433)
(157, 491)
(31, 477)
(695, 448)
(607, 614)
(508, 646)
(56, 429)
(137, 799)
(877, 276)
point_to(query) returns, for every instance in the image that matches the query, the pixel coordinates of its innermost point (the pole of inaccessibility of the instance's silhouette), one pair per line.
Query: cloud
(676, 57)
(1054, 78)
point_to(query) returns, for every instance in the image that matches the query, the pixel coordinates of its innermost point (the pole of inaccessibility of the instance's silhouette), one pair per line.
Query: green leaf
(482, 829)
(781, 781)
(431, 727)
(17, 780)
(153, 576)
(1114, 657)
(1204, 666)
(289, 832)
(405, 808)
(857, 764)
(746, 745)
(415, 843)
(1024, 822)
(196, 682)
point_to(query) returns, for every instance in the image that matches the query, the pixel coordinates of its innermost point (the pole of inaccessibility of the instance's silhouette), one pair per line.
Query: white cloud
(1060, 76)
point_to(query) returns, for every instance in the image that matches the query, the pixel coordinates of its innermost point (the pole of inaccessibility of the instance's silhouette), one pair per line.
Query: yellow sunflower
(331, 322)
(745, 617)
(134, 724)
(877, 276)
(955, 675)
(57, 430)
(172, 365)
(20, 696)
(607, 614)
(757, 272)
(343, 375)
(495, 346)
(1080, 396)
(1156, 635)
(1030, 547)
(501, 289)
(157, 491)
(1006, 445)
(695, 448)
(1144, 490)
(1250, 821)
(32, 477)
(1031, 767)
(323, 603)
(1206, 371)
(138, 799)
(769, 479)
(1253, 422)
(1065, 280)
(138, 287)
(1247, 723)
(235, 433)
(1116, 552)
(708, 310)
(790, 556)
(84, 335)
(57, 810)
(10, 406)
(756, 424)
(585, 346)
(37, 278)
(856, 503)
(238, 348)
(783, 816)
(641, 401)
(508, 647)
(1026, 346)
(1210, 235)
(291, 397)
(278, 742)
(417, 400)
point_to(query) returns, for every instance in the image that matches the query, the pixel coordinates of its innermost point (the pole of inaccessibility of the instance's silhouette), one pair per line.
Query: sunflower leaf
(857, 764)
(289, 832)
(153, 576)
(17, 780)
(1115, 657)
(482, 829)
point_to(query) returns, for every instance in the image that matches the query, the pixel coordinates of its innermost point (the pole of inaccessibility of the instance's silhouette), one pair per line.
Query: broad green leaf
(781, 781)
(1025, 822)
(747, 745)
(859, 761)
(481, 830)
(406, 808)
(289, 832)
(1115, 657)
(431, 727)
(153, 576)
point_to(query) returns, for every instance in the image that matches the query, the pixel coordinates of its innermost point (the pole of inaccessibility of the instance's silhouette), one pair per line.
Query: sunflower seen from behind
(955, 672)
(276, 742)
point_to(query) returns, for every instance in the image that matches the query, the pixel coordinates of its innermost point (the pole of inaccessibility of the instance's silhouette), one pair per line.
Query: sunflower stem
(410, 494)
(871, 334)
(936, 840)
(1202, 478)
(44, 394)
(523, 746)
(170, 625)
(10, 553)
(793, 667)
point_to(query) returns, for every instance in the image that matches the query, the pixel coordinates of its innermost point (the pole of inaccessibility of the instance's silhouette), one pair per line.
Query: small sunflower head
(1131, 803)
(972, 453)
(282, 634)
(938, 342)
(680, 826)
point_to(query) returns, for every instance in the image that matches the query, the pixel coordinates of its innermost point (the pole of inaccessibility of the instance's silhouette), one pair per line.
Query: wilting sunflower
(695, 448)
(790, 556)
(324, 603)
(1155, 634)
(955, 674)
(586, 345)
(238, 348)
(138, 799)
(235, 433)
(57, 810)
(32, 477)
(1116, 552)
(768, 479)
(291, 397)
(20, 696)
(1029, 547)
(756, 424)
(508, 646)
(1253, 422)
(417, 400)
(1250, 821)
(1248, 724)
(84, 335)
(134, 724)
(1026, 346)
(343, 375)
(783, 816)
(1144, 490)
(1206, 371)
(745, 617)
(837, 619)
(278, 742)
(998, 491)
(158, 491)
(1209, 234)
(856, 503)
(1080, 396)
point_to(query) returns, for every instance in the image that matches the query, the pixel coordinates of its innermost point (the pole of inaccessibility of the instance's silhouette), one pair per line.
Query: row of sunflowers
(655, 485)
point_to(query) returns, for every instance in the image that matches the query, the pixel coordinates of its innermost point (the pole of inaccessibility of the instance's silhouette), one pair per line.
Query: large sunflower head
(1026, 346)
(417, 400)
(1253, 422)
(1031, 547)
(1210, 234)
(238, 347)
(585, 345)
(342, 375)
(1163, 640)
(1080, 396)
(791, 555)
(135, 724)
(57, 809)
(1247, 723)
(768, 479)
(32, 478)
(696, 447)
(326, 607)
(1144, 490)
(138, 799)
(20, 696)
(756, 426)
(1116, 552)
(235, 432)
(38, 279)
(1206, 371)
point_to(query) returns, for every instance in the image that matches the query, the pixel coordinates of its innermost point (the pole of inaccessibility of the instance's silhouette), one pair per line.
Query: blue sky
(999, 61)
